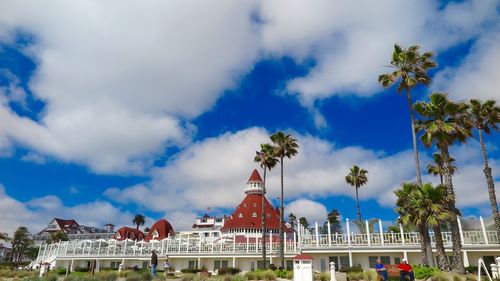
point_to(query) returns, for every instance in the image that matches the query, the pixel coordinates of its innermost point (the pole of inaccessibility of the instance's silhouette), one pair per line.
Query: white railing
(198, 246)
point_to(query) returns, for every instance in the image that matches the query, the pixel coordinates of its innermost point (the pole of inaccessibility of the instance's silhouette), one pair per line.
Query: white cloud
(118, 79)
(312, 210)
(213, 173)
(34, 157)
(478, 75)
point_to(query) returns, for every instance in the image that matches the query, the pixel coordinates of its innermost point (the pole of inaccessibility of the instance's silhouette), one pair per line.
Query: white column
(466, 259)
(405, 255)
(294, 241)
(350, 258)
(188, 246)
(460, 230)
(299, 235)
(403, 234)
(270, 241)
(180, 242)
(163, 246)
(98, 249)
(329, 234)
(368, 233)
(332, 272)
(234, 261)
(125, 246)
(168, 243)
(248, 243)
(348, 229)
(66, 251)
(114, 249)
(317, 234)
(484, 230)
(234, 243)
(381, 232)
(212, 238)
(135, 246)
(199, 244)
(284, 242)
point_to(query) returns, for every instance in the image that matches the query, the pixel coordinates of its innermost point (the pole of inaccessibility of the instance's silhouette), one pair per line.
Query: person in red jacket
(405, 269)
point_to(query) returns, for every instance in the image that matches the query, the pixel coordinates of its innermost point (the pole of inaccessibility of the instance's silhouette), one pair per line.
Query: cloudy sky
(110, 109)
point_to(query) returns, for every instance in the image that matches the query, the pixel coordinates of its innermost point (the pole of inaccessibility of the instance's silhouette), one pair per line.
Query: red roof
(248, 214)
(162, 228)
(255, 176)
(129, 233)
(303, 257)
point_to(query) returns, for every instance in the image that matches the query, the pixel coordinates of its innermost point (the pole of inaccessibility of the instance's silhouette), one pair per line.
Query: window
(268, 215)
(240, 215)
(385, 259)
(289, 264)
(344, 261)
(322, 265)
(203, 220)
(218, 220)
(192, 264)
(372, 260)
(254, 215)
(254, 205)
(155, 234)
(218, 264)
(397, 260)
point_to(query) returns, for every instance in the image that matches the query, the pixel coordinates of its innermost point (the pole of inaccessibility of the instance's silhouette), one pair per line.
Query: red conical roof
(255, 176)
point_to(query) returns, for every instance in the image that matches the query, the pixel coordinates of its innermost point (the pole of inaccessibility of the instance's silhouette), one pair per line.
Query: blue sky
(159, 109)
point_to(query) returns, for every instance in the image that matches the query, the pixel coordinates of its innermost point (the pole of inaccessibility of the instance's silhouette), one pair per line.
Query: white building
(242, 248)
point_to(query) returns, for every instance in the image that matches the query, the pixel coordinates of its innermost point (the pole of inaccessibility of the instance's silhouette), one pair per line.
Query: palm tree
(139, 220)
(4, 236)
(485, 117)
(443, 123)
(436, 168)
(357, 178)
(303, 221)
(284, 146)
(410, 69)
(407, 217)
(430, 205)
(267, 161)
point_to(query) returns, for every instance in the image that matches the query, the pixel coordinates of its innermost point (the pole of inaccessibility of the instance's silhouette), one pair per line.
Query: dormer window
(254, 215)
(254, 205)
(268, 215)
(245, 205)
(155, 234)
(240, 215)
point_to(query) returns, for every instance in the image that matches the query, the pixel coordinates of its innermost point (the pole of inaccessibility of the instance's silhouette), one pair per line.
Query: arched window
(268, 215)
(254, 205)
(245, 205)
(254, 215)
(240, 215)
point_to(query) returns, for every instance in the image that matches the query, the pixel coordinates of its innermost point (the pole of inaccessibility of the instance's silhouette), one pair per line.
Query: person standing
(381, 271)
(154, 262)
(405, 269)
(166, 266)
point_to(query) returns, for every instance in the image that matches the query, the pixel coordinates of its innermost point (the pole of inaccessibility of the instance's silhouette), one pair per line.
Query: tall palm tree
(407, 217)
(437, 168)
(485, 117)
(443, 123)
(430, 205)
(267, 161)
(410, 69)
(4, 236)
(139, 220)
(284, 146)
(357, 178)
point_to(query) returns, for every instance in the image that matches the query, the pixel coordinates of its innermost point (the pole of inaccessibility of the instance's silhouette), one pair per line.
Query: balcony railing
(181, 245)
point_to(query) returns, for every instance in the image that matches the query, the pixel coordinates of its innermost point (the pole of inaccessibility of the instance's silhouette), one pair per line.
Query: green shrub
(440, 276)
(356, 268)
(81, 269)
(250, 275)
(322, 276)
(229, 270)
(59, 270)
(106, 276)
(422, 272)
(370, 275)
(282, 273)
(269, 275)
(354, 276)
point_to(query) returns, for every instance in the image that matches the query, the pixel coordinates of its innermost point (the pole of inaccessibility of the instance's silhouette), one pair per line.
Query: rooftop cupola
(255, 185)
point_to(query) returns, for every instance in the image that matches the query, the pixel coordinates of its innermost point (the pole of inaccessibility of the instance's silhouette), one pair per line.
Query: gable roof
(248, 215)
(163, 228)
(255, 176)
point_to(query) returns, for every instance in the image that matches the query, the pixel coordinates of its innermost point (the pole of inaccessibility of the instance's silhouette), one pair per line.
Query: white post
(188, 246)
(114, 249)
(381, 232)
(163, 246)
(403, 234)
(212, 238)
(299, 234)
(234, 261)
(484, 230)
(294, 241)
(135, 246)
(466, 259)
(234, 243)
(405, 255)
(98, 249)
(332, 272)
(180, 242)
(329, 234)
(368, 233)
(125, 246)
(348, 229)
(66, 251)
(317, 234)
(460, 230)
(248, 244)
(270, 241)
(284, 242)
(350, 258)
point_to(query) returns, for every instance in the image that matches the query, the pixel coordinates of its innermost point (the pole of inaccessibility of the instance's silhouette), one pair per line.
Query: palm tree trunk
(264, 223)
(357, 206)
(441, 255)
(491, 185)
(457, 263)
(423, 245)
(441, 178)
(414, 136)
(282, 211)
